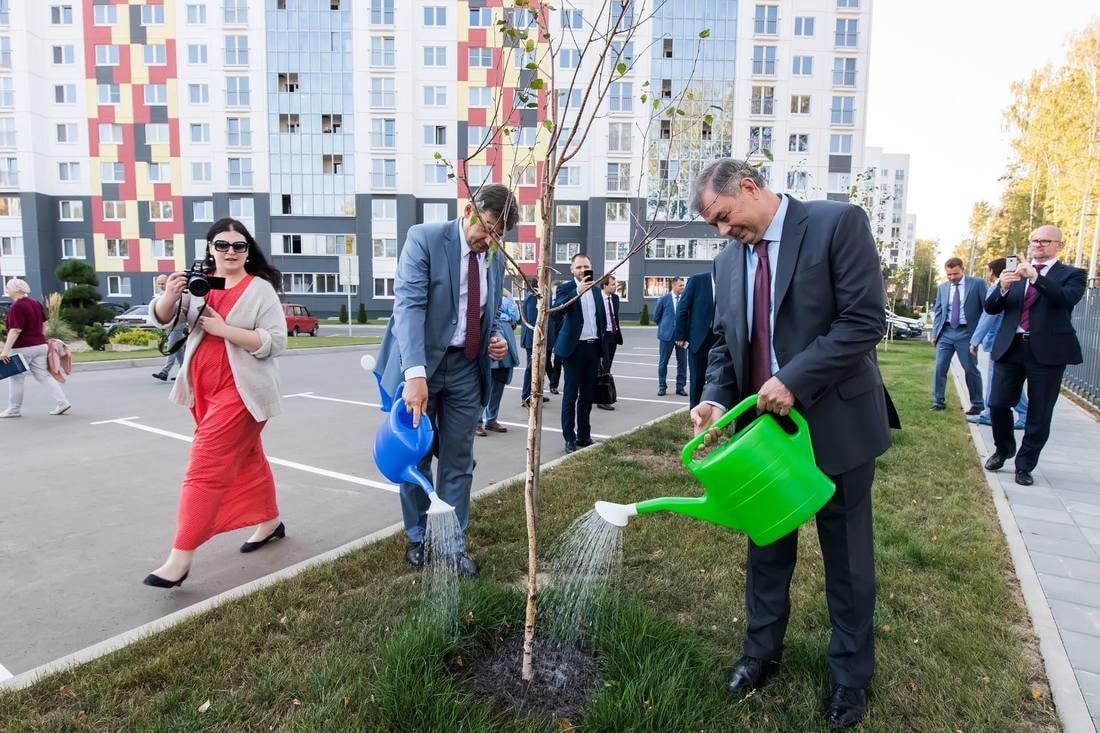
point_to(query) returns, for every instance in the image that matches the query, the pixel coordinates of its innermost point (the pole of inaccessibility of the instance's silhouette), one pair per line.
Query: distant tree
(343, 313)
(361, 317)
(80, 301)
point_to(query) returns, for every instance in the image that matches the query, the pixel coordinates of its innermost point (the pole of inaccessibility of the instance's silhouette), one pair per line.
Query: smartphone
(588, 275)
(1011, 262)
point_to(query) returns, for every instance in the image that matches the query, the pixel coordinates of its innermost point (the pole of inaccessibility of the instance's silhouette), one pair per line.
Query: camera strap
(180, 343)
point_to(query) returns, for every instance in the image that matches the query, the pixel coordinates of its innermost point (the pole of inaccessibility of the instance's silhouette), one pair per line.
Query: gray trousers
(38, 367)
(454, 407)
(176, 358)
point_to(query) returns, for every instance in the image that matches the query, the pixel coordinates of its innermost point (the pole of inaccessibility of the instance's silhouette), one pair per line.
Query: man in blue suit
(665, 316)
(443, 334)
(580, 344)
(694, 317)
(958, 307)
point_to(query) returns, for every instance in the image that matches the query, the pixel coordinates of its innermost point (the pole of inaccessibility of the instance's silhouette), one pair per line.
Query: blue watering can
(399, 447)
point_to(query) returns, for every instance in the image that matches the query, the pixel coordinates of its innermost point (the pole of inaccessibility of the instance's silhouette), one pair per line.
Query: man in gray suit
(798, 314)
(443, 334)
(958, 309)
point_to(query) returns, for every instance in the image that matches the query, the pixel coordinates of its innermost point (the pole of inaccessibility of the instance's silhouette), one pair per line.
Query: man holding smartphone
(580, 343)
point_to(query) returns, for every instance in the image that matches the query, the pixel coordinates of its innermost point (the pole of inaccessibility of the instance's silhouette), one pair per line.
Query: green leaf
(532, 66)
(548, 124)
(705, 33)
(536, 84)
(656, 103)
(438, 156)
(767, 153)
(530, 45)
(621, 68)
(645, 83)
(709, 119)
(680, 112)
(644, 98)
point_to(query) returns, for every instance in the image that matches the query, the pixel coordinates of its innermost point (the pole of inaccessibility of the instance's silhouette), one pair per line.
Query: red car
(298, 320)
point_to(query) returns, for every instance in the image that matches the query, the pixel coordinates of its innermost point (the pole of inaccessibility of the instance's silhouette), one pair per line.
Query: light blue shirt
(508, 310)
(773, 234)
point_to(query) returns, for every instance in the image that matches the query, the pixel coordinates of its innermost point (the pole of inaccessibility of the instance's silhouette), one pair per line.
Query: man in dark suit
(693, 321)
(798, 313)
(956, 314)
(553, 363)
(613, 337)
(665, 316)
(1035, 343)
(527, 339)
(580, 344)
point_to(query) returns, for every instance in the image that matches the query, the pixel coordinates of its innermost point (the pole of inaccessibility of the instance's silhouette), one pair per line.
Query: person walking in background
(665, 316)
(580, 344)
(501, 371)
(230, 381)
(983, 337)
(444, 333)
(1034, 344)
(179, 331)
(956, 312)
(799, 313)
(694, 317)
(613, 337)
(527, 339)
(25, 321)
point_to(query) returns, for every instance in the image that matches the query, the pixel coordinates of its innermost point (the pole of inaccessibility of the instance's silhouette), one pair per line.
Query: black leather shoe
(681, 393)
(278, 534)
(162, 376)
(414, 555)
(936, 408)
(605, 407)
(1023, 478)
(995, 462)
(661, 393)
(570, 446)
(975, 411)
(846, 706)
(466, 565)
(553, 390)
(158, 582)
(750, 673)
(585, 443)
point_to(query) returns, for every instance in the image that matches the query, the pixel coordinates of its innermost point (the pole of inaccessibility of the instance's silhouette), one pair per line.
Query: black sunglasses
(223, 246)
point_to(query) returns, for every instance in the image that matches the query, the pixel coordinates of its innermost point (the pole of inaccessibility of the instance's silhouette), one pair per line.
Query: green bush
(362, 316)
(904, 310)
(343, 313)
(95, 336)
(135, 336)
(644, 320)
(80, 302)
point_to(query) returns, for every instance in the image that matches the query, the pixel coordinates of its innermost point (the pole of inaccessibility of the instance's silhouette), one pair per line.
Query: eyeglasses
(1046, 242)
(223, 246)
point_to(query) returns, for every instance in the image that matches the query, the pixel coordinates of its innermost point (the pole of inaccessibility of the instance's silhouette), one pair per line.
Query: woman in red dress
(230, 382)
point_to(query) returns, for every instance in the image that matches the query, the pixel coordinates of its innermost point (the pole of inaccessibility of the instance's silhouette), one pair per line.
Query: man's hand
(774, 397)
(416, 398)
(1008, 277)
(585, 287)
(498, 349)
(934, 340)
(973, 350)
(681, 344)
(1026, 271)
(703, 416)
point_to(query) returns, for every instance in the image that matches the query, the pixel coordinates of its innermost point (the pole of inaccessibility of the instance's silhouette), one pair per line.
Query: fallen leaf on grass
(887, 628)
(1036, 694)
(204, 707)
(347, 701)
(65, 691)
(566, 724)
(283, 621)
(82, 716)
(296, 703)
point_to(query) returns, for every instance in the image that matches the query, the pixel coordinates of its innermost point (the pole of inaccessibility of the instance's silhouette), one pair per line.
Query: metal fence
(1084, 379)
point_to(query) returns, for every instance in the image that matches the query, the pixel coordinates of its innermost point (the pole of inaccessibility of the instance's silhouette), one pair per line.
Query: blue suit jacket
(425, 307)
(530, 315)
(972, 305)
(569, 334)
(988, 325)
(665, 316)
(696, 313)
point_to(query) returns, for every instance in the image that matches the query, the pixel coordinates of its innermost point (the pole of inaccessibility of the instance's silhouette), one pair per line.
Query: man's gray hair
(724, 177)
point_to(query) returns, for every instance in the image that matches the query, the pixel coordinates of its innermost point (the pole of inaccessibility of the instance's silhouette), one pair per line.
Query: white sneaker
(60, 409)
(10, 413)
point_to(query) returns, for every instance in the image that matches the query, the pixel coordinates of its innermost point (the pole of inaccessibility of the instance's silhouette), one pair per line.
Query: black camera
(199, 283)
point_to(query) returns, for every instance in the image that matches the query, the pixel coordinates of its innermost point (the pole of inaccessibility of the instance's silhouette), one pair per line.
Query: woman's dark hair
(255, 262)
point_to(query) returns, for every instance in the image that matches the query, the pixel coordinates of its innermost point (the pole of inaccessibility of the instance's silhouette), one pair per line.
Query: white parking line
(636, 363)
(128, 422)
(645, 348)
(311, 396)
(5, 674)
(628, 399)
(546, 427)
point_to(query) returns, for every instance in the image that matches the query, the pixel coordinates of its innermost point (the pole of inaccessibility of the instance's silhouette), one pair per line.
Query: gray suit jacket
(973, 303)
(829, 316)
(425, 307)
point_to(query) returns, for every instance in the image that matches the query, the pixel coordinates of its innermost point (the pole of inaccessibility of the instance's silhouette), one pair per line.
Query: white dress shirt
(588, 308)
(1041, 273)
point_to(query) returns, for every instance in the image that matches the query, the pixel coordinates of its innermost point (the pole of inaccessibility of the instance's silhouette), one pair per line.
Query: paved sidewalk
(1053, 532)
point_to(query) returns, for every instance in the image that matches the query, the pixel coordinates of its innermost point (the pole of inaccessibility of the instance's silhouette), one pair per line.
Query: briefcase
(15, 365)
(605, 389)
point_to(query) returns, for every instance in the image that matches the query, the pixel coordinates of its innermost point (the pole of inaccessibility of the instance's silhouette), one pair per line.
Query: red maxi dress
(228, 484)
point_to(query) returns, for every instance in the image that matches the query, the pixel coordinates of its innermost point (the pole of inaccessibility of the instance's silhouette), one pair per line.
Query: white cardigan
(255, 373)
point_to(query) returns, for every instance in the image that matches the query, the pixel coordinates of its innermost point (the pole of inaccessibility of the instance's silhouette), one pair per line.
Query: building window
(618, 177)
(847, 3)
(156, 133)
(569, 176)
(799, 143)
(71, 210)
(616, 251)
(61, 15)
(289, 123)
(800, 104)
(435, 17)
(105, 14)
(480, 58)
(240, 172)
(238, 132)
(802, 66)
(766, 20)
(108, 94)
(564, 251)
(618, 212)
(196, 13)
(622, 96)
(479, 175)
(11, 246)
(10, 206)
(164, 249)
(435, 213)
(763, 101)
(383, 173)
(68, 132)
(567, 214)
(236, 11)
(435, 56)
(481, 17)
(68, 171)
(200, 132)
(242, 207)
(619, 139)
(435, 134)
(73, 248)
(152, 15)
(760, 139)
(383, 247)
(478, 136)
(202, 210)
(332, 164)
(196, 52)
(382, 51)
(526, 214)
(763, 60)
(569, 58)
(237, 92)
(383, 92)
(525, 176)
(114, 210)
(847, 32)
(383, 287)
(106, 55)
(9, 171)
(433, 97)
(288, 82)
(383, 209)
(62, 55)
(112, 172)
(160, 211)
(843, 111)
(64, 93)
(198, 93)
(798, 180)
(804, 26)
(118, 286)
(156, 94)
(572, 20)
(7, 92)
(381, 12)
(840, 144)
(655, 287)
(522, 59)
(844, 72)
(118, 248)
(479, 96)
(160, 172)
(236, 50)
(7, 132)
(521, 251)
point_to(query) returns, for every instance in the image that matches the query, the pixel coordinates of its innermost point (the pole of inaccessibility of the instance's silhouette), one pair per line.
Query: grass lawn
(334, 649)
(293, 342)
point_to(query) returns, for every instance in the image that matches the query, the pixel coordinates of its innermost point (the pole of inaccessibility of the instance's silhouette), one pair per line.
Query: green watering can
(762, 481)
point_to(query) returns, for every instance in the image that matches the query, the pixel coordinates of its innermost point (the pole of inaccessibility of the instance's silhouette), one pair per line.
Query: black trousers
(697, 370)
(1043, 384)
(847, 547)
(553, 367)
(580, 391)
(610, 345)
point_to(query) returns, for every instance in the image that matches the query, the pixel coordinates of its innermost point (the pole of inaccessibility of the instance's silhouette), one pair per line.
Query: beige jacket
(255, 373)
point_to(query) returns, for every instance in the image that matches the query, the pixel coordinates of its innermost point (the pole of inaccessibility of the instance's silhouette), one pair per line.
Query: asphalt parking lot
(89, 498)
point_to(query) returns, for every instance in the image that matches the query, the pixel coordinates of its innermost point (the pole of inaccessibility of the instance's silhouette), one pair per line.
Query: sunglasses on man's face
(223, 246)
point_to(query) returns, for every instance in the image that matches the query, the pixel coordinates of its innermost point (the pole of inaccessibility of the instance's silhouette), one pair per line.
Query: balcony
(618, 184)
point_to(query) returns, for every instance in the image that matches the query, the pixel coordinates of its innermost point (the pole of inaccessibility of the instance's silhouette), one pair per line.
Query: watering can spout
(369, 363)
(617, 514)
(696, 507)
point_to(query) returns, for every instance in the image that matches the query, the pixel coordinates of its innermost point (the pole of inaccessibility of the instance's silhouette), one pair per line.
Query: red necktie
(1031, 296)
(611, 316)
(473, 308)
(760, 366)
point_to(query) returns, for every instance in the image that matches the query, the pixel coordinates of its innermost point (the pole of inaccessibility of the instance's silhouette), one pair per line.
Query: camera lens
(198, 286)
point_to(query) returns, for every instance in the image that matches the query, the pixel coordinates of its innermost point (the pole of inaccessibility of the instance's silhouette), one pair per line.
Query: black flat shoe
(158, 582)
(846, 706)
(995, 462)
(1023, 478)
(466, 565)
(751, 673)
(414, 554)
(278, 534)
(975, 411)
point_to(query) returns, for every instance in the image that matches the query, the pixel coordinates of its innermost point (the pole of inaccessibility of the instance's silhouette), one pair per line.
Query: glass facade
(309, 83)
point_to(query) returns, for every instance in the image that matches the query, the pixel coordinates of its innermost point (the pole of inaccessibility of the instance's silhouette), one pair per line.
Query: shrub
(135, 336)
(644, 320)
(362, 316)
(56, 326)
(343, 313)
(80, 302)
(96, 337)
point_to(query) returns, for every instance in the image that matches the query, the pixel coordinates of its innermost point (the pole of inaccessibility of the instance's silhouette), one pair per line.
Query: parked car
(299, 320)
(910, 327)
(136, 317)
(116, 309)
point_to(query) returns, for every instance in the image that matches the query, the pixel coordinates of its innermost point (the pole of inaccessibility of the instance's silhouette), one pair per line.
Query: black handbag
(605, 389)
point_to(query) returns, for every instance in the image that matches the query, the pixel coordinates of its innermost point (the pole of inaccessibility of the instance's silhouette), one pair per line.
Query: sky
(941, 76)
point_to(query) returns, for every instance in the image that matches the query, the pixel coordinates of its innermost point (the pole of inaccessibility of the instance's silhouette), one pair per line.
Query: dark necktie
(1029, 299)
(473, 308)
(955, 306)
(611, 316)
(760, 366)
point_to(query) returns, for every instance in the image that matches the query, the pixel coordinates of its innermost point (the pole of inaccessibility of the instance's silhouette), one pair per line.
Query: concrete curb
(28, 678)
(1069, 702)
(99, 366)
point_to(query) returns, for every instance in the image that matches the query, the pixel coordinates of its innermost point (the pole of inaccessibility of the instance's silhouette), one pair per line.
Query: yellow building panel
(173, 101)
(124, 110)
(99, 248)
(146, 259)
(143, 188)
(139, 73)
